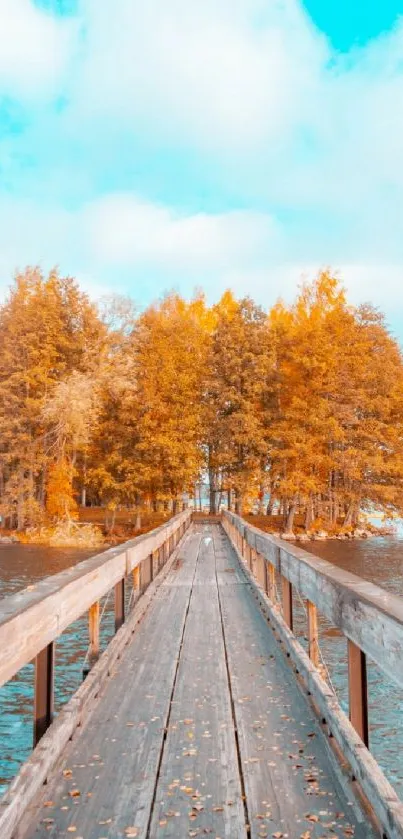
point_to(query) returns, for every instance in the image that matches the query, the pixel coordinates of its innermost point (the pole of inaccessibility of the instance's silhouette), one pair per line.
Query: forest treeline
(301, 405)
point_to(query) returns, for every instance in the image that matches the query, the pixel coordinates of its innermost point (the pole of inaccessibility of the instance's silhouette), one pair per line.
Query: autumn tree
(239, 394)
(48, 329)
(169, 345)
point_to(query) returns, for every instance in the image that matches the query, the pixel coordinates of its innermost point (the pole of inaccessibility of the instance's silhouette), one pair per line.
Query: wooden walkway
(203, 730)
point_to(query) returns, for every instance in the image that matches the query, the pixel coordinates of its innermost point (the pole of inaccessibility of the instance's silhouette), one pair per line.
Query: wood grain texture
(366, 614)
(359, 762)
(113, 763)
(287, 774)
(199, 785)
(30, 620)
(201, 728)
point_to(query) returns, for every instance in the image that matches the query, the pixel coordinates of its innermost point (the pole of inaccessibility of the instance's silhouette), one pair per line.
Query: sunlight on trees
(299, 409)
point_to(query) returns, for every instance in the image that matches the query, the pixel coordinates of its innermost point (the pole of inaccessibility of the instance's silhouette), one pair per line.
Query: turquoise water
(22, 565)
(378, 560)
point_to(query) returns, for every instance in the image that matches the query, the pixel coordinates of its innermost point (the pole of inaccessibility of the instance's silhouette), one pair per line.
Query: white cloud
(219, 74)
(120, 239)
(309, 142)
(35, 49)
(124, 230)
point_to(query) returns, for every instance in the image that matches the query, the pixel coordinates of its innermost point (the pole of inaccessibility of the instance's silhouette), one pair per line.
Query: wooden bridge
(205, 716)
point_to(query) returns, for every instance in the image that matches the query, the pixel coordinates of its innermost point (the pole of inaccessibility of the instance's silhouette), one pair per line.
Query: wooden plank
(119, 604)
(113, 762)
(286, 771)
(360, 764)
(313, 633)
(44, 760)
(357, 691)
(30, 620)
(43, 691)
(199, 790)
(286, 589)
(366, 614)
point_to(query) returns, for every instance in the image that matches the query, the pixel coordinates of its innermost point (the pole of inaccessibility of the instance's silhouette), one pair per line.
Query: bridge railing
(33, 619)
(370, 618)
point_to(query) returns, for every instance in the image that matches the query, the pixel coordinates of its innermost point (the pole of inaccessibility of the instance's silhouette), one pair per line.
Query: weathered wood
(313, 633)
(43, 691)
(15, 804)
(93, 627)
(286, 588)
(136, 578)
(30, 620)
(271, 582)
(365, 613)
(280, 739)
(383, 799)
(119, 604)
(200, 747)
(357, 691)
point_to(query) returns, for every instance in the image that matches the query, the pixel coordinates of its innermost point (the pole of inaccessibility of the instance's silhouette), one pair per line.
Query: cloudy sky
(146, 145)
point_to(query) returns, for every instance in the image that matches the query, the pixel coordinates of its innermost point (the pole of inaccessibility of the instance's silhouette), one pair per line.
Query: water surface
(378, 560)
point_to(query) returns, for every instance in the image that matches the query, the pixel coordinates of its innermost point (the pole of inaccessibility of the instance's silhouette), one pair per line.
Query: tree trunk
(309, 513)
(229, 499)
(290, 516)
(348, 521)
(269, 508)
(239, 504)
(174, 506)
(137, 525)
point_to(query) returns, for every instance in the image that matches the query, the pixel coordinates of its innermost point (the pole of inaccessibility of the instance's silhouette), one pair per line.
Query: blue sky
(243, 143)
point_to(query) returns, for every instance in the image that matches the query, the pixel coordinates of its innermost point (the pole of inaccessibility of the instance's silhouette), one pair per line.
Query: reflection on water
(381, 562)
(378, 560)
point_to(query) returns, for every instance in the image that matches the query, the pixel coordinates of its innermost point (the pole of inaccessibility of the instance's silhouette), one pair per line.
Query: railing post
(44, 691)
(93, 626)
(287, 602)
(119, 604)
(136, 578)
(357, 689)
(313, 636)
(93, 632)
(261, 571)
(271, 581)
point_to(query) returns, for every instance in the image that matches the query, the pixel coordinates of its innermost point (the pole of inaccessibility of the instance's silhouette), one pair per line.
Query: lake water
(378, 560)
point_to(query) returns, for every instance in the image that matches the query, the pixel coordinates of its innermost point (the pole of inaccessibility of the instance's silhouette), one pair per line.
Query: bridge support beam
(287, 602)
(357, 688)
(313, 636)
(44, 691)
(271, 581)
(119, 604)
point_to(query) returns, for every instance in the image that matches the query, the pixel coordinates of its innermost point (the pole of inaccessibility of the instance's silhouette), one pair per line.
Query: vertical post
(287, 602)
(262, 572)
(136, 579)
(271, 582)
(357, 689)
(44, 691)
(313, 636)
(93, 627)
(119, 604)
(151, 564)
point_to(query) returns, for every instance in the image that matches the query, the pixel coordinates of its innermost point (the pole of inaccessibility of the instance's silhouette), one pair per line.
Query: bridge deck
(202, 730)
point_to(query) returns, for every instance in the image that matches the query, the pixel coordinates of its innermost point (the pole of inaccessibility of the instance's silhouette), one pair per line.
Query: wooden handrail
(366, 614)
(32, 619)
(371, 620)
